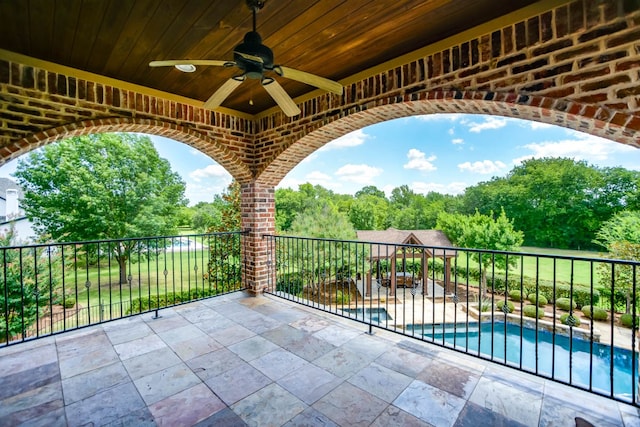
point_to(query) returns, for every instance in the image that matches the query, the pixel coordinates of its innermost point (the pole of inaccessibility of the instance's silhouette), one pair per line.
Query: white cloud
(211, 171)
(314, 178)
(451, 117)
(586, 147)
(204, 193)
(419, 161)
(361, 174)
(309, 158)
(482, 167)
(352, 139)
(457, 141)
(452, 188)
(538, 125)
(198, 153)
(489, 122)
(291, 183)
(317, 177)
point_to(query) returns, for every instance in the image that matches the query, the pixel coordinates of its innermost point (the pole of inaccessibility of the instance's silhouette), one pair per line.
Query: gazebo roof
(435, 240)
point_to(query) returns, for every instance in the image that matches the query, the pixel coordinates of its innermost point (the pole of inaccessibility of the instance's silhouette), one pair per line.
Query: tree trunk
(122, 264)
(628, 308)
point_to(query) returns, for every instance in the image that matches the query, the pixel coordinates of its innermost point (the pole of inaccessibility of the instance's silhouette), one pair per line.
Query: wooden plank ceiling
(331, 38)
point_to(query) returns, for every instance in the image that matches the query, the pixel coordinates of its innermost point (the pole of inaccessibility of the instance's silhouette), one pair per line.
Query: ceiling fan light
(186, 68)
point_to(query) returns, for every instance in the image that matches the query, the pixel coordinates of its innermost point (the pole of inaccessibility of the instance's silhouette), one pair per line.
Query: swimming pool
(373, 314)
(566, 360)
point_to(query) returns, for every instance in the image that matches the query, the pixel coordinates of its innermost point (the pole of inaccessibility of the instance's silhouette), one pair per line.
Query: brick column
(258, 218)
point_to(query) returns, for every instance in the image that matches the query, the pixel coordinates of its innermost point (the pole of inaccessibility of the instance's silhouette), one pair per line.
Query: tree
(323, 222)
(184, 217)
(483, 232)
(620, 235)
(27, 285)
(106, 186)
(206, 216)
(370, 190)
(316, 260)
(557, 202)
(224, 270)
(288, 204)
(369, 212)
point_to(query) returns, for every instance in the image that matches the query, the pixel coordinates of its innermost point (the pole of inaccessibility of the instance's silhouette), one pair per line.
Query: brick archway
(217, 149)
(586, 118)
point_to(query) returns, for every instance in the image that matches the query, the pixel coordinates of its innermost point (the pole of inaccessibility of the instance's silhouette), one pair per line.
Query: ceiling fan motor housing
(252, 45)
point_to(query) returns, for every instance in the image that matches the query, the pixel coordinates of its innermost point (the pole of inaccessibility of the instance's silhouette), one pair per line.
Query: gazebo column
(392, 275)
(424, 267)
(447, 275)
(257, 205)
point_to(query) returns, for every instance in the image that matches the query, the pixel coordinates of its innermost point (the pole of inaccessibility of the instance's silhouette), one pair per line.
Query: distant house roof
(433, 239)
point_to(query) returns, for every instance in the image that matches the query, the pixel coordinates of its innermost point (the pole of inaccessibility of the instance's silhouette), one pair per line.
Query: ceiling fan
(253, 59)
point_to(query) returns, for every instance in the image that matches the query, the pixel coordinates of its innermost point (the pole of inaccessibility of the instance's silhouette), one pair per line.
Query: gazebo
(394, 245)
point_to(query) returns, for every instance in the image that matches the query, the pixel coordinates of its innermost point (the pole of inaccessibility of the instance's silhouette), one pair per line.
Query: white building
(12, 214)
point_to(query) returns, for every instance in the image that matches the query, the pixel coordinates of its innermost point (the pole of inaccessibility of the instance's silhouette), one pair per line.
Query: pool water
(373, 314)
(567, 360)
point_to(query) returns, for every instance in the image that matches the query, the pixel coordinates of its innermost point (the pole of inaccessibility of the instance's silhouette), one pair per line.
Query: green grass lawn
(547, 268)
(184, 271)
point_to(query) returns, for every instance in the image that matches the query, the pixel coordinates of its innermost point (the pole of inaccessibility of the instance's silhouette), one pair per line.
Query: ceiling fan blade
(310, 79)
(172, 62)
(222, 93)
(253, 58)
(282, 98)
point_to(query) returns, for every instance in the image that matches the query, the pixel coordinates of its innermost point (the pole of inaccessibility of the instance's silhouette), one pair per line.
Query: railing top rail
(124, 239)
(451, 249)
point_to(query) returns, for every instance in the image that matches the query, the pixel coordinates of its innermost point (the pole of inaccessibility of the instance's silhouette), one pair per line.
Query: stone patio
(238, 360)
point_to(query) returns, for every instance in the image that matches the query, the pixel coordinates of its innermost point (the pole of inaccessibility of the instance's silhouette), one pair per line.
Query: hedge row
(499, 285)
(139, 305)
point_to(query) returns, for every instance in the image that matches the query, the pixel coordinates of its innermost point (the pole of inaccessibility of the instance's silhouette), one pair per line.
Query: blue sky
(440, 152)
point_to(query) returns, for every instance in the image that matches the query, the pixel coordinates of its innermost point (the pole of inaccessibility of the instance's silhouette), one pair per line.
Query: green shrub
(342, 298)
(595, 313)
(565, 319)
(69, 302)
(566, 304)
(541, 299)
(580, 294)
(626, 320)
(600, 314)
(515, 295)
(533, 311)
(139, 305)
(485, 305)
(501, 303)
(291, 283)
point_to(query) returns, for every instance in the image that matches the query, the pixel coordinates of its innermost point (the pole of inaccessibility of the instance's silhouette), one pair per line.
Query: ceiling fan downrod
(255, 6)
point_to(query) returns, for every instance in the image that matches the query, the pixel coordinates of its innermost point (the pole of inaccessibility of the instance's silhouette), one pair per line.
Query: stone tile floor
(238, 360)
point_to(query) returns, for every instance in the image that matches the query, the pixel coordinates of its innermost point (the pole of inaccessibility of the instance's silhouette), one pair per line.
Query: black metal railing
(564, 318)
(51, 288)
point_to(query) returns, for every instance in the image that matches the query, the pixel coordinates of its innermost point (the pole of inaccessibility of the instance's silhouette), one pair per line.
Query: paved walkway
(237, 360)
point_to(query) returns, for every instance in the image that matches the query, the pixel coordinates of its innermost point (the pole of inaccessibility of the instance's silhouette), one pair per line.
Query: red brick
(561, 20)
(604, 83)
(586, 75)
